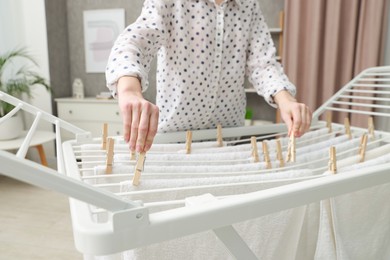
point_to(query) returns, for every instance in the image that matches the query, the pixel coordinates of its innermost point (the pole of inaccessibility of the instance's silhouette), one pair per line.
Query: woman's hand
(297, 116)
(139, 116)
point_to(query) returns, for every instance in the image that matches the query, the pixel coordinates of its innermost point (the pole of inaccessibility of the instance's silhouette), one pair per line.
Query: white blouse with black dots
(204, 52)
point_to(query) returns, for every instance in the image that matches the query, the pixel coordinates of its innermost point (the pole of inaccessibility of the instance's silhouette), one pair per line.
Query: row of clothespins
(332, 166)
(108, 146)
(347, 126)
(189, 139)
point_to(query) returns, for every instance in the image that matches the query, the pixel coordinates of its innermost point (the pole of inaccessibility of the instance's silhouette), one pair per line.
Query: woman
(205, 50)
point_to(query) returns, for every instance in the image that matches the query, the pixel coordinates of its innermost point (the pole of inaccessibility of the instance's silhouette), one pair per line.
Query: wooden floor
(34, 223)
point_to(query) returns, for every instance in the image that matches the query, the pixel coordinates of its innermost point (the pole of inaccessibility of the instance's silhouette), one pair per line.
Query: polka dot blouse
(204, 53)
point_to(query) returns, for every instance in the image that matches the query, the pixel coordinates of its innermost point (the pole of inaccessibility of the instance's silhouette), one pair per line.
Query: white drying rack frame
(130, 224)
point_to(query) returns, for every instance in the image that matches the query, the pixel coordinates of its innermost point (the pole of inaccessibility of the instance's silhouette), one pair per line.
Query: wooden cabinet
(90, 114)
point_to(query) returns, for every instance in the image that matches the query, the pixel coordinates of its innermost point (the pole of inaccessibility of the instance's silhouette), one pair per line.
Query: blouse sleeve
(136, 46)
(263, 70)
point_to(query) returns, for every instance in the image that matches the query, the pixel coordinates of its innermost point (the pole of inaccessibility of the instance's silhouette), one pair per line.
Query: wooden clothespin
(363, 147)
(139, 167)
(104, 136)
(371, 128)
(132, 156)
(266, 155)
(329, 121)
(110, 155)
(279, 154)
(219, 136)
(255, 153)
(332, 166)
(188, 142)
(291, 149)
(347, 127)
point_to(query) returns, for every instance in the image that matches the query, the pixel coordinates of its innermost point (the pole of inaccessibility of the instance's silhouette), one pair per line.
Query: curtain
(328, 42)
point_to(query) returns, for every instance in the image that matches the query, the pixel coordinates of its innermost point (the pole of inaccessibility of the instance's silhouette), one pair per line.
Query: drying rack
(130, 224)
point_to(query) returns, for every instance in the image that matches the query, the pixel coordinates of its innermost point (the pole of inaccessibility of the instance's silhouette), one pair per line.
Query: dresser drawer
(89, 112)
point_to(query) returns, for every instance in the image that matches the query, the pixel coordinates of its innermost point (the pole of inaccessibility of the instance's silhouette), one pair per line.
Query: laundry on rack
(325, 242)
(173, 179)
(361, 223)
(193, 159)
(309, 138)
(270, 237)
(355, 225)
(165, 189)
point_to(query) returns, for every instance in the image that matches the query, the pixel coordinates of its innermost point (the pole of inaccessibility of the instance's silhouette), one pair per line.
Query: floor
(34, 223)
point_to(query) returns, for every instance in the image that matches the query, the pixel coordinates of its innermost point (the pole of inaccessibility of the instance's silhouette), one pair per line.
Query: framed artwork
(101, 28)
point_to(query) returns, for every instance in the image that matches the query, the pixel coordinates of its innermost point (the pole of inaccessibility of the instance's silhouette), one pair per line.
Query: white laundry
(326, 244)
(295, 231)
(192, 159)
(361, 222)
(374, 156)
(180, 188)
(176, 147)
(239, 169)
(270, 237)
(311, 137)
(356, 225)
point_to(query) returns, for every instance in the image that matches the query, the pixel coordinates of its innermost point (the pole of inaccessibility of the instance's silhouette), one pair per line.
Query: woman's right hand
(139, 116)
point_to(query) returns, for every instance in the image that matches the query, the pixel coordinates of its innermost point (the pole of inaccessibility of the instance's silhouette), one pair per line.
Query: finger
(134, 127)
(308, 119)
(288, 121)
(126, 118)
(304, 124)
(143, 128)
(297, 121)
(153, 124)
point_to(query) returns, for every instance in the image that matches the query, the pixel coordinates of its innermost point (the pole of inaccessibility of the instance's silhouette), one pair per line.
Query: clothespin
(347, 127)
(332, 166)
(329, 121)
(363, 147)
(104, 136)
(266, 155)
(219, 135)
(291, 149)
(188, 142)
(255, 153)
(132, 157)
(371, 128)
(110, 155)
(279, 154)
(139, 167)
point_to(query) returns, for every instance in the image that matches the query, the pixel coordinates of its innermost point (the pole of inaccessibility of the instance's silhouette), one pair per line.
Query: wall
(23, 24)
(57, 32)
(95, 82)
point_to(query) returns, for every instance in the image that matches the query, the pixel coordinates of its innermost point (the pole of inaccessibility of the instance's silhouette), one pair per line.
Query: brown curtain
(328, 42)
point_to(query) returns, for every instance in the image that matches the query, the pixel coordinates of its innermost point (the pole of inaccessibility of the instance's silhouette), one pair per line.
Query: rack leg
(234, 243)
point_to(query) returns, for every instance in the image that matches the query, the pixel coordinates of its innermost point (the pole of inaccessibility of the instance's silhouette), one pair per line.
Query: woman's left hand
(297, 116)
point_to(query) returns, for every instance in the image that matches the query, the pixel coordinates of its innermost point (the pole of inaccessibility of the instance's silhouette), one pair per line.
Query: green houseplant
(17, 77)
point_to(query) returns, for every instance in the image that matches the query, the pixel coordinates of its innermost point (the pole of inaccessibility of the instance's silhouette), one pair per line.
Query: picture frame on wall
(101, 28)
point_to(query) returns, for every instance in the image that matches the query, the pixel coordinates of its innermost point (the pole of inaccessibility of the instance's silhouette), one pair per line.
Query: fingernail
(139, 149)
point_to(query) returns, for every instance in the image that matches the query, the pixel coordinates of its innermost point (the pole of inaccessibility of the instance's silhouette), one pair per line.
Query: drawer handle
(118, 133)
(117, 113)
(70, 112)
